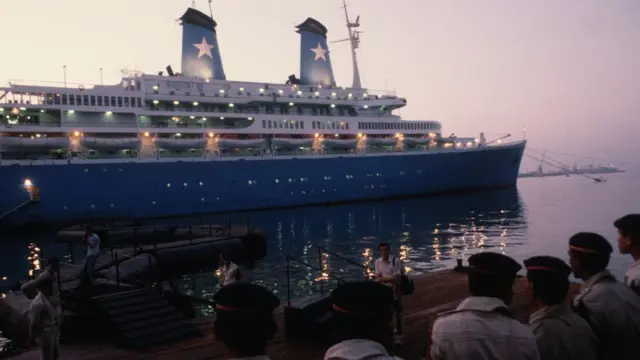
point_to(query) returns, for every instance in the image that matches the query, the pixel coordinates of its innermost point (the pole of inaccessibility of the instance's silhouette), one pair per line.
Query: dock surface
(434, 293)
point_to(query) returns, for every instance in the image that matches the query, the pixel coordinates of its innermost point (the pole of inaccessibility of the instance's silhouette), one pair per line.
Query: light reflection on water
(426, 234)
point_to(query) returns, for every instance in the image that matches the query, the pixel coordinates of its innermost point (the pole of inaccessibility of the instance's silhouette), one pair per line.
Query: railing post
(321, 270)
(117, 271)
(71, 252)
(150, 272)
(288, 283)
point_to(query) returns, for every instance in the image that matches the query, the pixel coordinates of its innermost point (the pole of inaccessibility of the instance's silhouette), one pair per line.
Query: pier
(435, 293)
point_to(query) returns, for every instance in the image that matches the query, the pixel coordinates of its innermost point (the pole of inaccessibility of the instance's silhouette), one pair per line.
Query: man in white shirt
(629, 243)
(43, 319)
(92, 241)
(230, 273)
(481, 327)
(388, 271)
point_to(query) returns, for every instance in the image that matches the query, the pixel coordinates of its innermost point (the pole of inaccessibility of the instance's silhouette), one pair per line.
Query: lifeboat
(340, 143)
(95, 143)
(416, 141)
(291, 143)
(241, 144)
(382, 141)
(22, 144)
(179, 144)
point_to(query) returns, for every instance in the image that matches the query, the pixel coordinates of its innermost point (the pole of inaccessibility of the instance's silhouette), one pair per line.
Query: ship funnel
(315, 61)
(200, 51)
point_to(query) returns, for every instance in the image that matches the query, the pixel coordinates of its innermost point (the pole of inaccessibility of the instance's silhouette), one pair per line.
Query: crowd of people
(601, 322)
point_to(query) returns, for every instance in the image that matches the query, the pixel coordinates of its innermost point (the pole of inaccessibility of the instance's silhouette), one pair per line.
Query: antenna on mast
(210, 11)
(354, 39)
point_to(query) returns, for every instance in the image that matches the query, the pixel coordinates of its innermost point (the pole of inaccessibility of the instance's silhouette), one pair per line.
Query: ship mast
(354, 40)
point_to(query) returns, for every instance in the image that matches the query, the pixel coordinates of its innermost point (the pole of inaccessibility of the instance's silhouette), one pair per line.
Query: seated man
(244, 320)
(482, 327)
(362, 318)
(561, 333)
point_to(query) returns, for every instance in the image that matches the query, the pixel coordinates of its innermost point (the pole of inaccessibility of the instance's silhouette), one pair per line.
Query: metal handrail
(302, 262)
(322, 249)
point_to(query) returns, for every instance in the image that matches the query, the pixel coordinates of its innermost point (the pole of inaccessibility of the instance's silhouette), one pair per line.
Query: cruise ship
(170, 144)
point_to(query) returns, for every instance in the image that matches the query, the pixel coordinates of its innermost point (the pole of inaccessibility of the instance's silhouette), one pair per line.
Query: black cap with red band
(547, 265)
(362, 298)
(245, 297)
(590, 243)
(491, 263)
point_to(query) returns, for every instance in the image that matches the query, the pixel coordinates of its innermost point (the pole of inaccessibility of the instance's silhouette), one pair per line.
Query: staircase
(143, 319)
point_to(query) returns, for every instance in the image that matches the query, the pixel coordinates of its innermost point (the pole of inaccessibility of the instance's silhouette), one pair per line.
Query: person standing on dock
(388, 271)
(362, 315)
(610, 307)
(92, 241)
(43, 320)
(629, 243)
(561, 333)
(482, 327)
(230, 273)
(244, 320)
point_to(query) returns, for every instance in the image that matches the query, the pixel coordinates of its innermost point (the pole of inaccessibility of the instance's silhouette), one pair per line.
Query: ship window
(113, 101)
(297, 124)
(301, 124)
(93, 100)
(56, 100)
(64, 99)
(269, 124)
(78, 99)
(264, 124)
(85, 100)
(99, 100)
(313, 124)
(126, 102)
(71, 99)
(119, 101)
(347, 125)
(139, 102)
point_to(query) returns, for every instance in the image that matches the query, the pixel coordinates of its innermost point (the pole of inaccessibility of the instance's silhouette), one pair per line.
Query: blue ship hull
(84, 191)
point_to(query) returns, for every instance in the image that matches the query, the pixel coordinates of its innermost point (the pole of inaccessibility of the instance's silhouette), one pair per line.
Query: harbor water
(427, 233)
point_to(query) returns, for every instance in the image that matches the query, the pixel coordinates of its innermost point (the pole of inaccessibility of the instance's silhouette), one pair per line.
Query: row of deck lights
(281, 92)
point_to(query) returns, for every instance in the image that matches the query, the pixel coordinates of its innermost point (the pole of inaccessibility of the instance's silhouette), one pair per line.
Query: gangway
(15, 208)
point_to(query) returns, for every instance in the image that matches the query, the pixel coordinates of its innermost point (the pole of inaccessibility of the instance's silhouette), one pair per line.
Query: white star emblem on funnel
(319, 52)
(205, 48)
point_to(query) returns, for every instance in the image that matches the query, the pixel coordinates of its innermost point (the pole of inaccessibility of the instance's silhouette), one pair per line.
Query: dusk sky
(567, 70)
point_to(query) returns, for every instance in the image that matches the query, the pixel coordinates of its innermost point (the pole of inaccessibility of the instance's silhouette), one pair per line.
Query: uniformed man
(561, 333)
(30, 289)
(363, 321)
(43, 320)
(482, 327)
(611, 308)
(244, 320)
(629, 243)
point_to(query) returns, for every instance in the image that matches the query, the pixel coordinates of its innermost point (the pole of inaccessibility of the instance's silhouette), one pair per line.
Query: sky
(566, 70)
